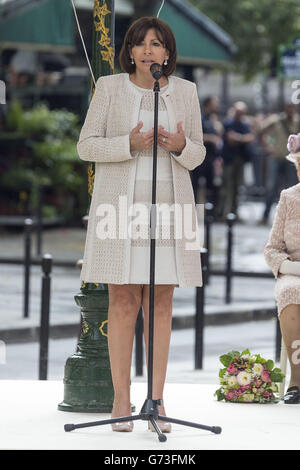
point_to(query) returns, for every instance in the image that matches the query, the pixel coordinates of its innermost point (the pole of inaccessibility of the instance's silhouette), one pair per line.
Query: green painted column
(87, 379)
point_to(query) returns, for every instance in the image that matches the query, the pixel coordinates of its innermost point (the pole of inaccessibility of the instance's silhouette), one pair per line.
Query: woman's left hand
(172, 142)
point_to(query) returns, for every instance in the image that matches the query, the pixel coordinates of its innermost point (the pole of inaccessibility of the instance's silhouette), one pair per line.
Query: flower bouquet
(248, 378)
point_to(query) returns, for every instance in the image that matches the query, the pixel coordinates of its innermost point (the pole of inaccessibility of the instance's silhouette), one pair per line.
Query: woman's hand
(293, 144)
(173, 142)
(140, 140)
(290, 267)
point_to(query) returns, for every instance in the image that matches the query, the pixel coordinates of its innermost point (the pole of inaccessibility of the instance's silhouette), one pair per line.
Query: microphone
(156, 70)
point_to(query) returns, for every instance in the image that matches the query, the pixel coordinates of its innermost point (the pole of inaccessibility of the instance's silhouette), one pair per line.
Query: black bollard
(39, 221)
(45, 309)
(230, 221)
(199, 318)
(28, 224)
(209, 207)
(201, 190)
(139, 328)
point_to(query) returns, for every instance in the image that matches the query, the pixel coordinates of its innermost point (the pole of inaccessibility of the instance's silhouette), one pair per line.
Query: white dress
(165, 259)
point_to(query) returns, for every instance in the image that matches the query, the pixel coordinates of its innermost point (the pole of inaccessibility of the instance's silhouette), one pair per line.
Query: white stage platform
(30, 420)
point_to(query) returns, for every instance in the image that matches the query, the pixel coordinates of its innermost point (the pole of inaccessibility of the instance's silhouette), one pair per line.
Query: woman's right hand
(140, 140)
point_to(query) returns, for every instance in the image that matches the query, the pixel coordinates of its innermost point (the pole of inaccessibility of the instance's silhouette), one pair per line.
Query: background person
(237, 136)
(280, 175)
(213, 144)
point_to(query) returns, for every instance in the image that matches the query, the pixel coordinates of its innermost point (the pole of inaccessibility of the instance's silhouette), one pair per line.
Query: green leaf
(276, 377)
(234, 353)
(270, 364)
(226, 359)
(277, 370)
(246, 352)
(219, 394)
(259, 359)
(222, 372)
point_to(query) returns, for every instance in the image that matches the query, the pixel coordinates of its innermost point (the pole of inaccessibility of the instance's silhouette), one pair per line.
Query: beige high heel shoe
(125, 426)
(164, 426)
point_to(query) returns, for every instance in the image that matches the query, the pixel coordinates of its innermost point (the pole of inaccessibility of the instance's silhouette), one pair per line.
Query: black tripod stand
(149, 411)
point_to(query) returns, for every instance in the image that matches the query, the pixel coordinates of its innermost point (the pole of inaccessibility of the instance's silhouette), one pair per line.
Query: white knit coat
(104, 139)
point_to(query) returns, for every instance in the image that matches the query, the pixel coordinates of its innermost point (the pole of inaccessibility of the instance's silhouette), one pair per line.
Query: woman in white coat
(118, 136)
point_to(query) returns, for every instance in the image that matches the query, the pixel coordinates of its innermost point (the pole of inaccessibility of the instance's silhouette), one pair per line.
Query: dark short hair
(208, 100)
(137, 32)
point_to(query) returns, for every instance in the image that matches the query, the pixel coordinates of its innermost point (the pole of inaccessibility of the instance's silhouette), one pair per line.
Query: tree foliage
(257, 27)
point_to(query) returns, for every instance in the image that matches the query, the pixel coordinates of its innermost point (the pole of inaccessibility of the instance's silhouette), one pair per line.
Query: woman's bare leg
(163, 297)
(124, 304)
(290, 329)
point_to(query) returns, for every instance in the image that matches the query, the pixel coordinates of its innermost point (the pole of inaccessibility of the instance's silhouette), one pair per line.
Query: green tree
(257, 27)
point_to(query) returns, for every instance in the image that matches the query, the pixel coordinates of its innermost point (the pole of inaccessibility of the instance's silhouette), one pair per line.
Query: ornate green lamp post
(87, 381)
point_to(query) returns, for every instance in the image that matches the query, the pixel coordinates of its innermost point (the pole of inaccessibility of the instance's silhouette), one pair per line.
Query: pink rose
(265, 376)
(231, 369)
(243, 388)
(268, 395)
(229, 396)
(293, 144)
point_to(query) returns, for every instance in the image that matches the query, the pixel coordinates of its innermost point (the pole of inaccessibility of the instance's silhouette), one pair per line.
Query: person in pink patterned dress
(282, 254)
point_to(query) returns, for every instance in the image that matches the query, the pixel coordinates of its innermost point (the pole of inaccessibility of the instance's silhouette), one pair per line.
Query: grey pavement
(248, 321)
(251, 297)
(21, 361)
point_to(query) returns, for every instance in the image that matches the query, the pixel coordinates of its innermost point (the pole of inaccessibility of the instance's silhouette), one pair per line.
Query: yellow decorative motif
(101, 328)
(82, 285)
(99, 13)
(23, 195)
(91, 177)
(106, 55)
(85, 328)
(104, 41)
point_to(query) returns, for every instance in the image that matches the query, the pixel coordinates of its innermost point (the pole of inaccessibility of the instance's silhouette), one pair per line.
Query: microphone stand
(149, 411)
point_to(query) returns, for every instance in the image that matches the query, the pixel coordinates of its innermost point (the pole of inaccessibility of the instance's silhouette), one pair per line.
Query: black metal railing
(47, 263)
